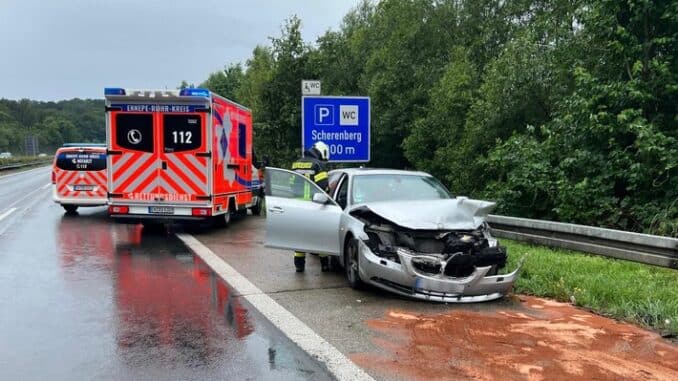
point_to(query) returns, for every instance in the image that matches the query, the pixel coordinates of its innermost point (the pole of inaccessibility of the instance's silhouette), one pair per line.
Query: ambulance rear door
(184, 156)
(133, 158)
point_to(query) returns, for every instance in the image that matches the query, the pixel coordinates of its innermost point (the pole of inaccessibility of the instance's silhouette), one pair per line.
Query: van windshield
(81, 161)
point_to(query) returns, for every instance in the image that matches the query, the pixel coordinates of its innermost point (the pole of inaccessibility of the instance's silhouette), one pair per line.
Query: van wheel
(70, 208)
(256, 208)
(352, 264)
(222, 220)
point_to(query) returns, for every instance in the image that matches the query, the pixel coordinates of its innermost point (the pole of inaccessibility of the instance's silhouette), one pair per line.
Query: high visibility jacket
(313, 169)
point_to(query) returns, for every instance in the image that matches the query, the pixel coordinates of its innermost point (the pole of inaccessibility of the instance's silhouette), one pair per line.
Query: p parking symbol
(324, 115)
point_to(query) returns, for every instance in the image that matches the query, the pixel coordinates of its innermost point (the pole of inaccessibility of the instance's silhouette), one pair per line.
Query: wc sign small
(310, 87)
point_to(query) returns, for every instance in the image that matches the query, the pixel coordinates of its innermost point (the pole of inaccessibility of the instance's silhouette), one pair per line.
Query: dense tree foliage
(53, 123)
(565, 110)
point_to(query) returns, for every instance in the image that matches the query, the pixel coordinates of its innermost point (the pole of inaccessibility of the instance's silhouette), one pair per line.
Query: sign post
(343, 123)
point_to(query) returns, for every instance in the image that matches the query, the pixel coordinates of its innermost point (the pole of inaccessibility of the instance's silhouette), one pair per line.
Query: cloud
(64, 49)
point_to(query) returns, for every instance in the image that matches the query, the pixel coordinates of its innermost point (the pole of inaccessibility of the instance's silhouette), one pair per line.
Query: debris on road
(543, 340)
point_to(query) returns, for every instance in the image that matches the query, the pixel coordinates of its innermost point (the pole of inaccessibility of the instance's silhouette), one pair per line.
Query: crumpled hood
(452, 214)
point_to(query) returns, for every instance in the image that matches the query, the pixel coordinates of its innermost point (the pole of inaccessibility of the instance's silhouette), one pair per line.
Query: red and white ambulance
(79, 175)
(179, 155)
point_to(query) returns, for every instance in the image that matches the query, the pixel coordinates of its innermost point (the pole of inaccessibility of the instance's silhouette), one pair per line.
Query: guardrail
(644, 248)
(21, 165)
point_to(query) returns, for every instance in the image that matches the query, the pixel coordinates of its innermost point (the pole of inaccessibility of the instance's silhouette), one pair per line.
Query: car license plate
(161, 210)
(83, 188)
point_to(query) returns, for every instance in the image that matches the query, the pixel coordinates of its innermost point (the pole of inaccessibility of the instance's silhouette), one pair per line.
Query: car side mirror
(321, 198)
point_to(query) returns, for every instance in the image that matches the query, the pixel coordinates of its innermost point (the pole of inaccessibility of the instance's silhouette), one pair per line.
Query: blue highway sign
(343, 123)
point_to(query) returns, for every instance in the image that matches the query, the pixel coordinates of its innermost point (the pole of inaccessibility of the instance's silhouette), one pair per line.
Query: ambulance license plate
(160, 210)
(83, 188)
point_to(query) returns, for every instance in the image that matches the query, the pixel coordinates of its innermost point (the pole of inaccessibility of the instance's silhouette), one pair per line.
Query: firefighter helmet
(323, 149)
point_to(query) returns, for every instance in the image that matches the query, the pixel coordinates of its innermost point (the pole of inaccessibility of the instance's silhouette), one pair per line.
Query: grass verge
(25, 160)
(623, 290)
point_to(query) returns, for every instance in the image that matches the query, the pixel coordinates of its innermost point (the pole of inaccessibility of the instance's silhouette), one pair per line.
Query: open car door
(299, 215)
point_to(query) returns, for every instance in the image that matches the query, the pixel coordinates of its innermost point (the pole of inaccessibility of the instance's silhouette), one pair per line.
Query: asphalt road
(84, 298)
(391, 338)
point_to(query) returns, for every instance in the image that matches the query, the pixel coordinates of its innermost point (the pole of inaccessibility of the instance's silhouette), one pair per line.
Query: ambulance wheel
(222, 220)
(70, 208)
(256, 208)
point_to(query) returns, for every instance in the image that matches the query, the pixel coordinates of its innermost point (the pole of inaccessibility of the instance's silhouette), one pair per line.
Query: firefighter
(313, 166)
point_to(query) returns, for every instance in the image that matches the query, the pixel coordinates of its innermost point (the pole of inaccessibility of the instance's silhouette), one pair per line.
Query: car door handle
(276, 210)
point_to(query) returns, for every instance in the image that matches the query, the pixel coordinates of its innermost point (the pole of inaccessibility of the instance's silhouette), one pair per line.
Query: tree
(226, 82)
(610, 152)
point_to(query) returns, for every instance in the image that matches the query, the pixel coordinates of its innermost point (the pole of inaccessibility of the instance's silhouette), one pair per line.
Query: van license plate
(160, 210)
(83, 188)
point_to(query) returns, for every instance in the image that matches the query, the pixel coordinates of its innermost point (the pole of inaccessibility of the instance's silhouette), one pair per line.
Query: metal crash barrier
(637, 247)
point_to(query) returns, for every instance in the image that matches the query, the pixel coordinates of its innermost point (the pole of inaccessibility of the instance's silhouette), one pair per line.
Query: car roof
(379, 171)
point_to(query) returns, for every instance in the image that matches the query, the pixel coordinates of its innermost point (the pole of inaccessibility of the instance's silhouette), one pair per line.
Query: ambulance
(179, 155)
(79, 176)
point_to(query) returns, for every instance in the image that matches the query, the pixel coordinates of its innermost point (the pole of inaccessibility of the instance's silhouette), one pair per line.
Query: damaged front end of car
(454, 262)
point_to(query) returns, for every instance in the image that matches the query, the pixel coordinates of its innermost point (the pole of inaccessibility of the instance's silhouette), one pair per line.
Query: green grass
(623, 290)
(25, 159)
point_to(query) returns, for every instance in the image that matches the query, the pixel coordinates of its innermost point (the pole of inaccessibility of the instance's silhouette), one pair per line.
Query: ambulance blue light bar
(194, 92)
(114, 91)
(84, 145)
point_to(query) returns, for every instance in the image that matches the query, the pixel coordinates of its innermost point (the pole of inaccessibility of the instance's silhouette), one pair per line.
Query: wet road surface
(17, 191)
(517, 338)
(84, 298)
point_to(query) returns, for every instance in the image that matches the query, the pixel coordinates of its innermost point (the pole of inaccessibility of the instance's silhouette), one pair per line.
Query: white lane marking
(24, 172)
(336, 362)
(23, 211)
(46, 185)
(25, 197)
(7, 213)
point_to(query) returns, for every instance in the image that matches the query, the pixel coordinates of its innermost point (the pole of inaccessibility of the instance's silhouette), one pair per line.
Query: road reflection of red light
(81, 236)
(223, 299)
(166, 305)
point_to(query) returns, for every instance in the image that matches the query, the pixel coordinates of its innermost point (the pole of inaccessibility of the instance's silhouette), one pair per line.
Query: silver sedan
(400, 231)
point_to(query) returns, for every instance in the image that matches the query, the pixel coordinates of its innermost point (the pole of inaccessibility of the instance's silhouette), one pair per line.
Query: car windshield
(390, 187)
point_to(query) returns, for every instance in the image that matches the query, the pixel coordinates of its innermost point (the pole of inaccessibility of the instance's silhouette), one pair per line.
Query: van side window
(242, 140)
(134, 131)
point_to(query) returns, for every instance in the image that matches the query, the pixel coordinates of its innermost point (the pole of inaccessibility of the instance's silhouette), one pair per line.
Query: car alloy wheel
(352, 264)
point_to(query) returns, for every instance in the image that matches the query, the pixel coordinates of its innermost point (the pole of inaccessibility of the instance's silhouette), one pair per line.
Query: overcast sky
(51, 50)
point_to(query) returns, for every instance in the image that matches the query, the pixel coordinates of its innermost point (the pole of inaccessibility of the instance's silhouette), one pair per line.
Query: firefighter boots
(324, 264)
(300, 263)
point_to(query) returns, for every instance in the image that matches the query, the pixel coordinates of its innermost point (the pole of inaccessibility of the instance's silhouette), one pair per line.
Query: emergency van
(79, 176)
(179, 155)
